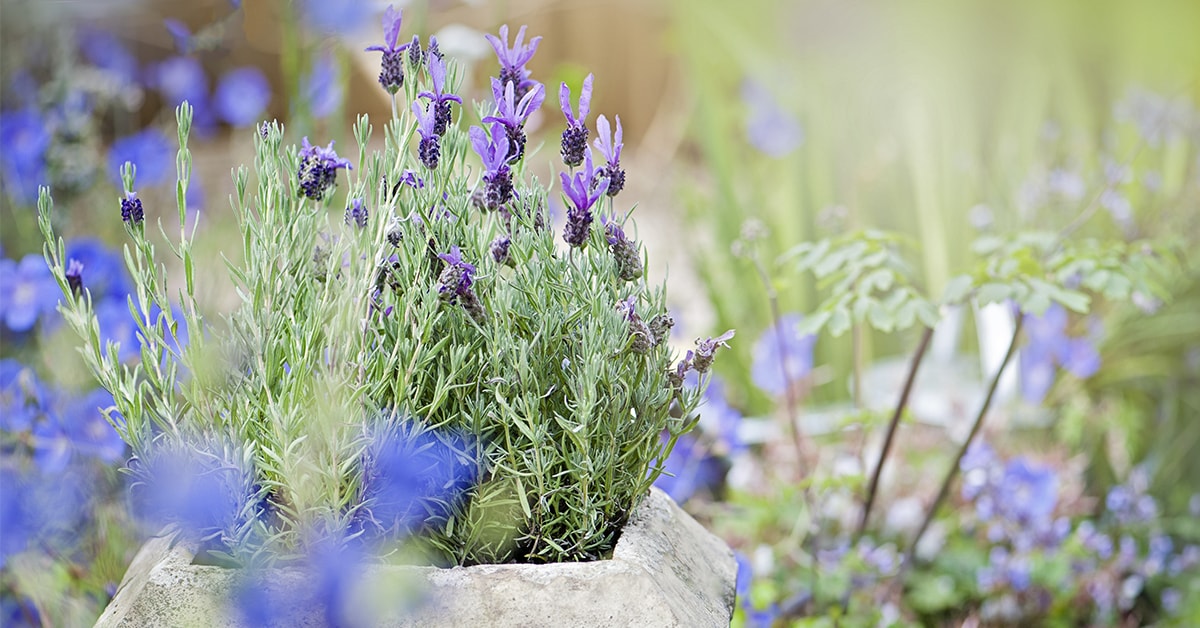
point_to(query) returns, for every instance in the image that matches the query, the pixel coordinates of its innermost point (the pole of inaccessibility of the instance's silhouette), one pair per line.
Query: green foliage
(344, 331)
(868, 281)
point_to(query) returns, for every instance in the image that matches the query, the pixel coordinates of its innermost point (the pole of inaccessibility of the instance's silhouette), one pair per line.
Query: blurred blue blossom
(323, 87)
(183, 78)
(103, 50)
(782, 349)
(39, 510)
(1049, 347)
(342, 17)
(21, 396)
(104, 267)
(242, 96)
(116, 325)
(769, 128)
(410, 476)
(689, 469)
(25, 138)
(150, 151)
(27, 292)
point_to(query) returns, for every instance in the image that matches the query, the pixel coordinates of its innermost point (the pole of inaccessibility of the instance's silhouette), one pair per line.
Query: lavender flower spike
(707, 348)
(438, 98)
(318, 169)
(131, 209)
(391, 75)
(610, 145)
(513, 60)
(583, 189)
(513, 114)
(575, 137)
(497, 178)
(430, 147)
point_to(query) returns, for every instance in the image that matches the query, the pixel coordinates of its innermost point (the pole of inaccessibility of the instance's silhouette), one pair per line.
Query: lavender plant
(407, 366)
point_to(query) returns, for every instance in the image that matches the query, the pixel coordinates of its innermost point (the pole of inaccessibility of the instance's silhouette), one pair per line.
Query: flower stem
(873, 487)
(944, 491)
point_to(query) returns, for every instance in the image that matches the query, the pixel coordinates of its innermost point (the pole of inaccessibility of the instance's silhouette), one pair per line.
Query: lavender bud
(391, 74)
(499, 250)
(415, 56)
(430, 151)
(356, 213)
(574, 144)
(131, 209)
(660, 327)
(616, 179)
(74, 275)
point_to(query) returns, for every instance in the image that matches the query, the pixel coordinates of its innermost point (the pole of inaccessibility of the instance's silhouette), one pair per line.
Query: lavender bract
(583, 189)
(391, 75)
(429, 149)
(575, 136)
(609, 145)
(439, 100)
(497, 177)
(513, 59)
(512, 115)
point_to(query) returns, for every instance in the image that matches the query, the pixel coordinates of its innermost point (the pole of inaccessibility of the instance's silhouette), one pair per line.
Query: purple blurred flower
(27, 292)
(769, 128)
(323, 87)
(1049, 346)
(21, 396)
(180, 34)
(116, 325)
(1081, 358)
(38, 510)
(391, 74)
(25, 138)
(513, 59)
(318, 169)
(242, 95)
(782, 356)
(179, 79)
(150, 151)
(721, 418)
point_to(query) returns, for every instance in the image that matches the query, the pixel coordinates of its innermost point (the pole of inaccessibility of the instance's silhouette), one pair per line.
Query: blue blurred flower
(87, 429)
(25, 138)
(106, 275)
(782, 349)
(150, 151)
(411, 476)
(345, 16)
(1050, 346)
(27, 292)
(1029, 492)
(116, 325)
(38, 510)
(323, 87)
(692, 469)
(103, 50)
(183, 78)
(181, 34)
(242, 96)
(720, 418)
(769, 128)
(20, 396)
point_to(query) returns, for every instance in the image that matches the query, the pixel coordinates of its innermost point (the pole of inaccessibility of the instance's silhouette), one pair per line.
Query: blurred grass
(913, 113)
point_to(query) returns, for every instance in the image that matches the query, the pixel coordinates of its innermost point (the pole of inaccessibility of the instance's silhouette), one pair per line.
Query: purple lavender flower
(242, 95)
(318, 169)
(497, 177)
(1050, 346)
(624, 251)
(415, 56)
(1029, 493)
(575, 136)
(513, 114)
(179, 79)
(456, 279)
(74, 276)
(181, 34)
(342, 17)
(500, 250)
(439, 100)
(609, 145)
(103, 50)
(131, 209)
(391, 76)
(677, 376)
(356, 213)
(513, 59)
(706, 350)
(429, 149)
(26, 292)
(583, 189)
(782, 356)
(640, 332)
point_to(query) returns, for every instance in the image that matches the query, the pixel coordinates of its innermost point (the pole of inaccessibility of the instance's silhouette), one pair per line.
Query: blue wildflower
(769, 128)
(242, 96)
(117, 326)
(25, 138)
(318, 169)
(323, 87)
(341, 17)
(391, 75)
(28, 290)
(103, 50)
(782, 356)
(1029, 492)
(180, 34)
(689, 469)
(105, 268)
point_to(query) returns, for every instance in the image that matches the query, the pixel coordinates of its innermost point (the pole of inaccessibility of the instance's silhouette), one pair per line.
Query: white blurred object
(995, 323)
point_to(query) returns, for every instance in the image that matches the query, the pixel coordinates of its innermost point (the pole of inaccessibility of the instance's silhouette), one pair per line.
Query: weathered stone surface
(667, 570)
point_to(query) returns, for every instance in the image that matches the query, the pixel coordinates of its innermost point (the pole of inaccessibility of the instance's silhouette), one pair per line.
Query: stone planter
(667, 570)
